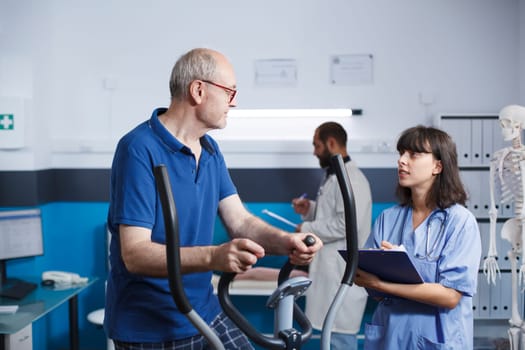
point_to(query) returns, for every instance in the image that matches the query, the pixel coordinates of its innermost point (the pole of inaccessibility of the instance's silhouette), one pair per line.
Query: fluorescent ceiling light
(264, 113)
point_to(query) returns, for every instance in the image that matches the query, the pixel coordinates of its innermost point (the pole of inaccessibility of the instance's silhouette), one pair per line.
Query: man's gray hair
(193, 65)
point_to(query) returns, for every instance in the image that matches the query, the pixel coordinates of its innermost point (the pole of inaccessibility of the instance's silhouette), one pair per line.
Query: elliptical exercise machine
(288, 290)
(282, 300)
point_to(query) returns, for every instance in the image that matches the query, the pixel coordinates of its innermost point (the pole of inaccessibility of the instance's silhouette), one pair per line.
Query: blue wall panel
(74, 240)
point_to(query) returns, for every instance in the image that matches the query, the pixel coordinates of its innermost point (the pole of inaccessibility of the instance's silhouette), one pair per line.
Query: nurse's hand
(387, 245)
(366, 279)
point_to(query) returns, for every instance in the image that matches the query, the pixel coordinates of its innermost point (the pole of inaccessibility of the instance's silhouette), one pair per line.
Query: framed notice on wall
(276, 72)
(351, 69)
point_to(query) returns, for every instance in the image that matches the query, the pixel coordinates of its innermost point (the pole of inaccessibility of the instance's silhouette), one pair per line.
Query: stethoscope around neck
(435, 226)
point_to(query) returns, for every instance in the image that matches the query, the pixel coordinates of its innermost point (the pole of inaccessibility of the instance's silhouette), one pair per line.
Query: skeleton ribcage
(511, 184)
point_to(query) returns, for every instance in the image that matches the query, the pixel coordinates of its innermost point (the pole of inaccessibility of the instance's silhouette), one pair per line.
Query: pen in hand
(303, 196)
(301, 205)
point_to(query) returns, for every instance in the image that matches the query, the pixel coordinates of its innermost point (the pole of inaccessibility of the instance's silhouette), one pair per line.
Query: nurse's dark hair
(332, 129)
(447, 188)
(197, 64)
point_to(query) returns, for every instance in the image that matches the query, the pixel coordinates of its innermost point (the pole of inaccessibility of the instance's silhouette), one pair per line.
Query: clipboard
(389, 265)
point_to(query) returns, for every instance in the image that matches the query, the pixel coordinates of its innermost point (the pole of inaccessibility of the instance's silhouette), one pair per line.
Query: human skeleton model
(507, 169)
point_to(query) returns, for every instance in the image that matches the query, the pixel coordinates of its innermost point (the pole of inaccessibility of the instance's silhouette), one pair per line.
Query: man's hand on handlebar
(300, 252)
(237, 255)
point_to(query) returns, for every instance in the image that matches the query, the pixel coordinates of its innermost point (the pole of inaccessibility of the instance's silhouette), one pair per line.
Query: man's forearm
(268, 236)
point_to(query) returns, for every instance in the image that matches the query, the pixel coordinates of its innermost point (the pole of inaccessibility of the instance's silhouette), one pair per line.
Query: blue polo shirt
(140, 308)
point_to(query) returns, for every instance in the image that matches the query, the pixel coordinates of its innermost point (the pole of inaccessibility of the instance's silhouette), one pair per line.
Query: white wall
(522, 52)
(60, 57)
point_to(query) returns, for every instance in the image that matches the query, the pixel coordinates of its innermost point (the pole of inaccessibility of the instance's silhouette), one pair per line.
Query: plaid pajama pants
(229, 334)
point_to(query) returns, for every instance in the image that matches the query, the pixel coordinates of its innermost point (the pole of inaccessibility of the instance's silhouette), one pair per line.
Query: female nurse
(442, 238)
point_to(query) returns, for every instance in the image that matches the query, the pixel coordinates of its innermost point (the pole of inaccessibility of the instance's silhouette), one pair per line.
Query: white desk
(37, 304)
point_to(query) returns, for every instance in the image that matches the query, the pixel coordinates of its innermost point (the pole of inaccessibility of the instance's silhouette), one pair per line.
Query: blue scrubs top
(446, 249)
(140, 308)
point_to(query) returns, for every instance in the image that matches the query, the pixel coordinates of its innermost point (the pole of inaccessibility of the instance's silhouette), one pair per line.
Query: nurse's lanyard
(436, 219)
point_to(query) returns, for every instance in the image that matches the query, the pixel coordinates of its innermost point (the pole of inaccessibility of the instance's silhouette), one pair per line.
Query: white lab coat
(326, 219)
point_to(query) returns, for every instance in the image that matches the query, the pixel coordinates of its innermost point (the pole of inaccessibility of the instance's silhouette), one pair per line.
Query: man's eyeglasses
(231, 92)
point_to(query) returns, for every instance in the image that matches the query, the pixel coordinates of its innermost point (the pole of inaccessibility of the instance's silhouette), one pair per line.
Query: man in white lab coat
(325, 218)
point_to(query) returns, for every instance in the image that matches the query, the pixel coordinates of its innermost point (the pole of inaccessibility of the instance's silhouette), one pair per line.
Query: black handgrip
(309, 240)
(171, 224)
(287, 268)
(350, 219)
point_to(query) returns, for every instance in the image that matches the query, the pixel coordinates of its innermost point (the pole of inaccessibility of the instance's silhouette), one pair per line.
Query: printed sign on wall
(351, 69)
(276, 72)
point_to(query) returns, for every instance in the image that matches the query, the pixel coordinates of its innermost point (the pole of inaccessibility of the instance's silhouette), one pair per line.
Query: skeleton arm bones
(490, 264)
